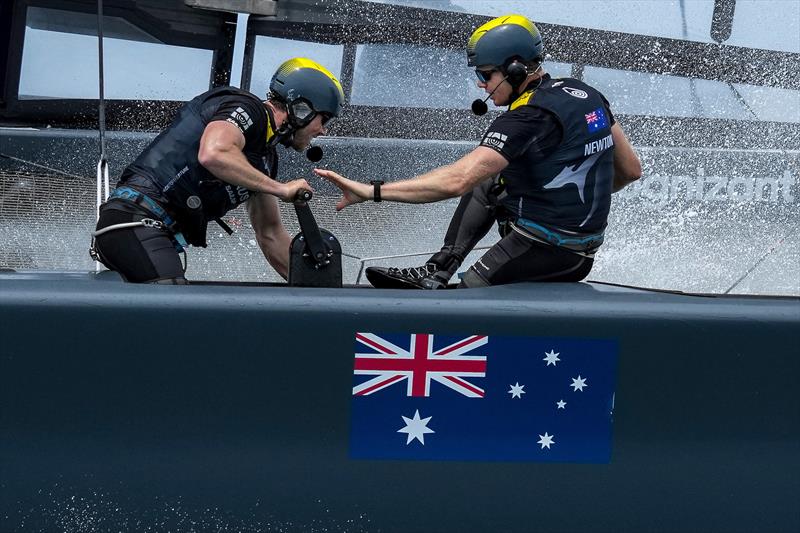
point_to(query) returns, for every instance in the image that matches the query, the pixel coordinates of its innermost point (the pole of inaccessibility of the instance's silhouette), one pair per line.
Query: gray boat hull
(227, 406)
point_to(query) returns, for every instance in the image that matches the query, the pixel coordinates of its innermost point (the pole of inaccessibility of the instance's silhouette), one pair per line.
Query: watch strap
(376, 189)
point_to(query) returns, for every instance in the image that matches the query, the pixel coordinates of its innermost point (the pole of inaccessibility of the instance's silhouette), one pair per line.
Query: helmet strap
(285, 135)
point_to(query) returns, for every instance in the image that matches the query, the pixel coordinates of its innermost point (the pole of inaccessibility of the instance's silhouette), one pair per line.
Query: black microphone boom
(479, 106)
(314, 154)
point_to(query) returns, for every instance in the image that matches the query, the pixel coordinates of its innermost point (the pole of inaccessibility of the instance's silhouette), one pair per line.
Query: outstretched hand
(353, 191)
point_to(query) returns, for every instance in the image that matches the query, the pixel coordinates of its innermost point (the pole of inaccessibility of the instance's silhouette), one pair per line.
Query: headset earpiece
(517, 72)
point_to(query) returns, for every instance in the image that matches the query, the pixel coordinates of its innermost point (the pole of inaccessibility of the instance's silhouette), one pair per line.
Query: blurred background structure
(708, 91)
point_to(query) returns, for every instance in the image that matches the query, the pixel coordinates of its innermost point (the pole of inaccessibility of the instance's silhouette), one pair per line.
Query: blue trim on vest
(127, 193)
(558, 239)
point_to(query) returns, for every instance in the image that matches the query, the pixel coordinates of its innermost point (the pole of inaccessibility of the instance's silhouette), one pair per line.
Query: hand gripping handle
(303, 196)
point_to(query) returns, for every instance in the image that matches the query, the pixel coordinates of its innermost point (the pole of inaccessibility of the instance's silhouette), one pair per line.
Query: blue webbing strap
(583, 244)
(137, 197)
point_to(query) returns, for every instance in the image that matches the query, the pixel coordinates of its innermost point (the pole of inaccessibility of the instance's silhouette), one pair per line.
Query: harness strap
(139, 198)
(166, 222)
(178, 239)
(563, 238)
(224, 226)
(180, 245)
(551, 239)
(94, 253)
(147, 222)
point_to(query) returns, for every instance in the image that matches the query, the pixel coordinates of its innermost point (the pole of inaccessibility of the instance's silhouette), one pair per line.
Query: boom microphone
(314, 154)
(479, 106)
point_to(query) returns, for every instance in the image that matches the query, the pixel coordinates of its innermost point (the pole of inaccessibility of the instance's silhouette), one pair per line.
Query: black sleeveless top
(169, 172)
(563, 184)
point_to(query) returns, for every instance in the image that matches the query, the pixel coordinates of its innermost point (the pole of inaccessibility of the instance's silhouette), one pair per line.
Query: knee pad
(472, 280)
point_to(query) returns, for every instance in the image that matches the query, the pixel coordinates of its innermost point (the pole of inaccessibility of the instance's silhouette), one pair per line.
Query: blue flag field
(482, 398)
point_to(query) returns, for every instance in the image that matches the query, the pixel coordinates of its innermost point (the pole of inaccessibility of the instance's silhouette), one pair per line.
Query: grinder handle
(309, 228)
(303, 196)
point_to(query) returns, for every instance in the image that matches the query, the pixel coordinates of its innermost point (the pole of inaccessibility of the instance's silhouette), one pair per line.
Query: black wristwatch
(376, 188)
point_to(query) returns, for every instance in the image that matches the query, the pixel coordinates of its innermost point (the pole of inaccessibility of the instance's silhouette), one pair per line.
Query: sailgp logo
(494, 140)
(577, 93)
(241, 119)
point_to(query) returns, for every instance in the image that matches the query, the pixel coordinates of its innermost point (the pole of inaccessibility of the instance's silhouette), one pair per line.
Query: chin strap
(284, 136)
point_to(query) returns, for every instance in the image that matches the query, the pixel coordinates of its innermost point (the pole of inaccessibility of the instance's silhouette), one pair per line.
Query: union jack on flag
(591, 117)
(420, 364)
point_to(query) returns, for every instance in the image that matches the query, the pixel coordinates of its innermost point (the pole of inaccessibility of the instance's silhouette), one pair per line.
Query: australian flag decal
(478, 398)
(596, 120)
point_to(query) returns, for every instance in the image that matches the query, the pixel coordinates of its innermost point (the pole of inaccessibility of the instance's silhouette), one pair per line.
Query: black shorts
(140, 254)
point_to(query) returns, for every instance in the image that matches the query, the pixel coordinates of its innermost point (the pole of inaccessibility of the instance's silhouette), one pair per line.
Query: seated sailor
(544, 171)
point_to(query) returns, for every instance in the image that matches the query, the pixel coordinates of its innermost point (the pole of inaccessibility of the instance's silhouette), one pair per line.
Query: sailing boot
(434, 274)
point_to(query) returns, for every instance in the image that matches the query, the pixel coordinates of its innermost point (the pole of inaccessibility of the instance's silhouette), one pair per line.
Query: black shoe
(430, 276)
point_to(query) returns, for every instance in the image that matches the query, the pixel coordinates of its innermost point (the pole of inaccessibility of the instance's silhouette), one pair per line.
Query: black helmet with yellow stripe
(503, 40)
(307, 89)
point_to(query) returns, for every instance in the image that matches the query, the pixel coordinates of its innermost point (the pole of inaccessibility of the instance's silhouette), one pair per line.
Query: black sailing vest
(176, 178)
(570, 190)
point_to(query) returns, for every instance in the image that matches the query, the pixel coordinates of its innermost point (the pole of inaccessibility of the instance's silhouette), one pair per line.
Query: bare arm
(627, 167)
(444, 182)
(272, 237)
(221, 154)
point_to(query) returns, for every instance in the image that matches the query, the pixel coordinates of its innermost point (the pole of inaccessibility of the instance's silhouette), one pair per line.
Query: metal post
(102, 164)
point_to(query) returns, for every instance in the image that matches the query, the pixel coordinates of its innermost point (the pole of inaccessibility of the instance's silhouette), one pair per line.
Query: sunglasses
(485, 74)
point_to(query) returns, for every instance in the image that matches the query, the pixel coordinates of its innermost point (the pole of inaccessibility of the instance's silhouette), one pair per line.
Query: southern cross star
(578, 384)
(516, 391)
(416, 428)
(561, 404)
(551, 357)
(546, 440)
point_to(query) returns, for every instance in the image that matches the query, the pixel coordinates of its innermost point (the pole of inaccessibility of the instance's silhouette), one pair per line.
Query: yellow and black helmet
(498, 42)
(307, 88)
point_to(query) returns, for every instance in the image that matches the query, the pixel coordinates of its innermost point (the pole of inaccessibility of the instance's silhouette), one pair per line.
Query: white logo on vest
(494, 140)
(577, 93)
(241, 119)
